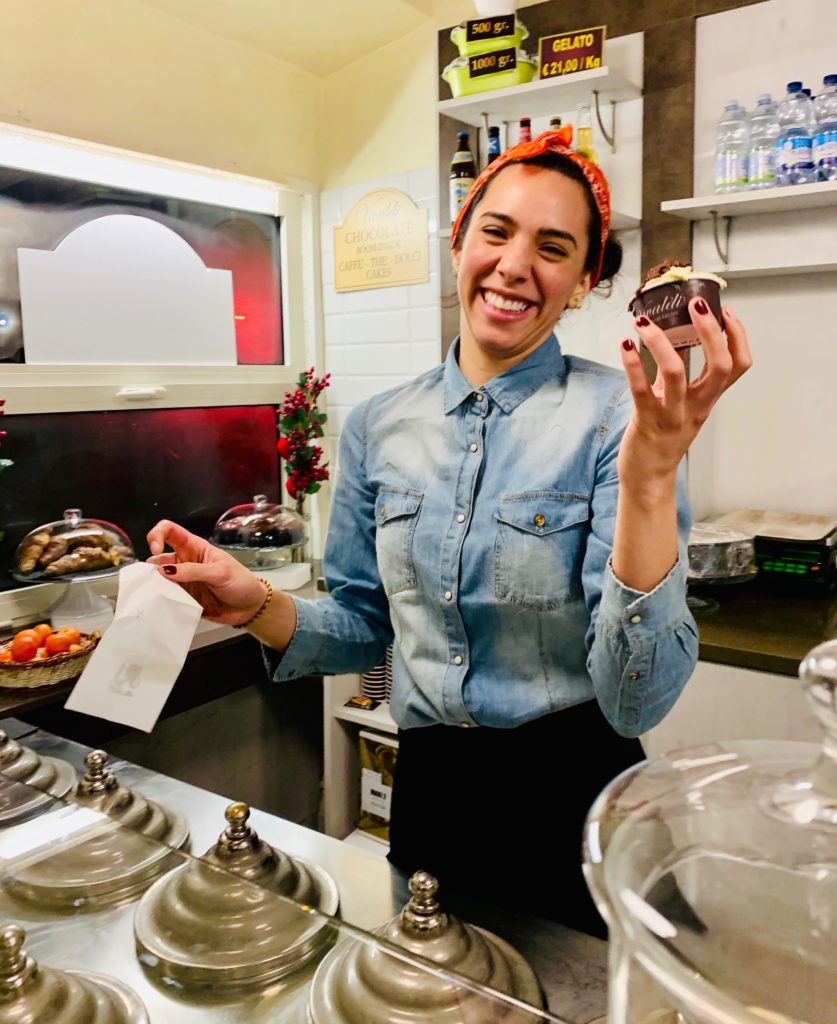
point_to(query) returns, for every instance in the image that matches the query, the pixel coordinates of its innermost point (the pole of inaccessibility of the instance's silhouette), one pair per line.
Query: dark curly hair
(564, 165)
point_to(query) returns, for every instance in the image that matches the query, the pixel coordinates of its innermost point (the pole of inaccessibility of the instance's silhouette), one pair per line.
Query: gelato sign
(569, 52)
(381, 243)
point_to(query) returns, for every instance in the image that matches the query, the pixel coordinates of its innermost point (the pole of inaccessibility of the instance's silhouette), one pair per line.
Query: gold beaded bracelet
(265, 603)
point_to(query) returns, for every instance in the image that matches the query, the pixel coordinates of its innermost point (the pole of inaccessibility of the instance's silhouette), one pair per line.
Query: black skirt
(498, 814)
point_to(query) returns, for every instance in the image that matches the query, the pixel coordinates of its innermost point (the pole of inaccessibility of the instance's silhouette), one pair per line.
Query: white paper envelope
(131, 672)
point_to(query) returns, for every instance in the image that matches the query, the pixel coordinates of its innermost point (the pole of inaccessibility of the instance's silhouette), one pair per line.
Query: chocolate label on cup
(667, 305)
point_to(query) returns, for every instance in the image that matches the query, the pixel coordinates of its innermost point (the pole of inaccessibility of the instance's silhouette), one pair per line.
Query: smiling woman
(516, 520)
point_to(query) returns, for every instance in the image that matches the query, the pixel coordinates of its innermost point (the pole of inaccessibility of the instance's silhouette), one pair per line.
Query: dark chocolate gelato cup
(667, 305)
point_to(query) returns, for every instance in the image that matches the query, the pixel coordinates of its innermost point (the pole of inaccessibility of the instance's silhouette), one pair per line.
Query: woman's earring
(574, 302)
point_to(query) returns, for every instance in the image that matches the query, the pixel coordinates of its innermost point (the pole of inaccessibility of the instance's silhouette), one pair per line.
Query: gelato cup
(664, 298)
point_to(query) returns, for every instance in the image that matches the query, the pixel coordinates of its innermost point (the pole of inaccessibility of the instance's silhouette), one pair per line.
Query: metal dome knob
(421, 914)
(97, 779)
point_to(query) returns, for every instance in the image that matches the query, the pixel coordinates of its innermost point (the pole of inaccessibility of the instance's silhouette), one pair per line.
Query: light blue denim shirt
(476, 527)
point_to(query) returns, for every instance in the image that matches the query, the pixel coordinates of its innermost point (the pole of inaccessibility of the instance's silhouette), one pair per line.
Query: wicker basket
(58, 668)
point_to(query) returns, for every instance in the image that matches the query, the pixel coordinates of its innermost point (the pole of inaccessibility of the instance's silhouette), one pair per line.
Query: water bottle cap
(764, 99)
(463, 135)
(733, 105)
(794, 86)
(807, 92)
(830, 80)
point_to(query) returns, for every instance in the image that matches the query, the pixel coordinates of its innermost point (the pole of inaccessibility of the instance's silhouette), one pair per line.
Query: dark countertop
(763, 627)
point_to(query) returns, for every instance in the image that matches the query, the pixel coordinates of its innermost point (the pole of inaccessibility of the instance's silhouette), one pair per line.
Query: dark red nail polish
(169, 570)
(642, 321)
(628, 345)
(701, 307)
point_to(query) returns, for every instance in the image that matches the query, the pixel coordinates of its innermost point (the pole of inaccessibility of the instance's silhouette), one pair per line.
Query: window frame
(88, 388)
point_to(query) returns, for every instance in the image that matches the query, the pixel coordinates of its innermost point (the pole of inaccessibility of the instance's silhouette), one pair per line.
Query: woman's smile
(504, 306)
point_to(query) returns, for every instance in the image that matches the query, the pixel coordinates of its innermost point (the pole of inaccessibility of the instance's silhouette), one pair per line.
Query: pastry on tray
(664, 297)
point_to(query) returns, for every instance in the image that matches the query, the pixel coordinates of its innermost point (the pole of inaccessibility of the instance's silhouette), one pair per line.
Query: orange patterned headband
(546, 142)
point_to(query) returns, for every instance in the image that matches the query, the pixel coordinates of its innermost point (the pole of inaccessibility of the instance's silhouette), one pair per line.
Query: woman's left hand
(669, 413)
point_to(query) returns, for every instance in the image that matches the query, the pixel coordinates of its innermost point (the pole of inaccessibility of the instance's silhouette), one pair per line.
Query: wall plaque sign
(381, 243)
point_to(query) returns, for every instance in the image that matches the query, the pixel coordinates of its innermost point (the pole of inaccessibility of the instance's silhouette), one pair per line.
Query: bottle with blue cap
(732, 149)
(825, 135)
(794, 154)
(764, 131)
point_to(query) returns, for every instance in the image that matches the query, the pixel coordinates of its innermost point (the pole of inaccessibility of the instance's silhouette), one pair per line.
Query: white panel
(769, 443)
(125, 289)
(756, 49)
(725, 703)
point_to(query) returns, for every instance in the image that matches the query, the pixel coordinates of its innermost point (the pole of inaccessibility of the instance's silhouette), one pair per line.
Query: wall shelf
(541, 98)
(723, 209)
(740, 204)
(379, 718)
(778, 271)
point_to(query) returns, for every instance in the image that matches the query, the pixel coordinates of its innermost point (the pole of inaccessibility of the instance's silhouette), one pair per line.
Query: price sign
(489, 28)
(569, 52)
(489, 63)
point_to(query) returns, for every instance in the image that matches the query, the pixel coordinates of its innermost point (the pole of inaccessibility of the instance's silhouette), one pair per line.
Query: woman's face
(521, 261)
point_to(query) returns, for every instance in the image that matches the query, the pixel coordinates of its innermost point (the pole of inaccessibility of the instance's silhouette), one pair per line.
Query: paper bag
(131, 672)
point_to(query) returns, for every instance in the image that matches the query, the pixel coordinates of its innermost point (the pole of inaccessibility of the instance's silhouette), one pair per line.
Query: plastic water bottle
(732, 148)
(794, 157)
(825, 137)
(764, 131)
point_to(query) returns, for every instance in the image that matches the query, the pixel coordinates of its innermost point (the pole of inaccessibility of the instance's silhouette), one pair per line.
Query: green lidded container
(461, 83)
(470, 49)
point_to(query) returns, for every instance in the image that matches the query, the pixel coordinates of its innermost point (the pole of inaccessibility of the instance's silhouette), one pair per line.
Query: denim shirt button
(383, 511)
(539, 520)
(475, 448)
(457, 660)
(448, 595)
(479, 396)
(636, 618)
(460, 518)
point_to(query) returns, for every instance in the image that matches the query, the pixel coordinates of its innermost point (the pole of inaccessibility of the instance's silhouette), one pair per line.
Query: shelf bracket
(722, 253)
(609, 136)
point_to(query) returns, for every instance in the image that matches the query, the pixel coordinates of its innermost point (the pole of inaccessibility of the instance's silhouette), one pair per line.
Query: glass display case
(716, 869)
(136, 899)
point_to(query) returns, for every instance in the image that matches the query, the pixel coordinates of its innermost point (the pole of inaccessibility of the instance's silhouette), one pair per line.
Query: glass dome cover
(716, 870)
(260, 533)
(73, 547)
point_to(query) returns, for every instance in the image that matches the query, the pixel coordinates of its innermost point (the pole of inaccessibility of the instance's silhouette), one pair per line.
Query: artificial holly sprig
(301, 422)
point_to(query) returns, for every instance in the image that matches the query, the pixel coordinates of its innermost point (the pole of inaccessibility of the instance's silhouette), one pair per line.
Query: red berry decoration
(301, 422)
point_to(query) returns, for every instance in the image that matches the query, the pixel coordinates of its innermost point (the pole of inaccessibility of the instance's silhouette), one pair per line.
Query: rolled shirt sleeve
(642, 647)
(349, 630)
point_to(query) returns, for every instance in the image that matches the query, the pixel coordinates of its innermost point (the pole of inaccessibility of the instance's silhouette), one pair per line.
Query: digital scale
(790, 547)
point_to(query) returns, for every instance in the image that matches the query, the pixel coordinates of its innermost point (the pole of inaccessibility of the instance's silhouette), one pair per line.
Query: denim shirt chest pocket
(396, 514)
(539, 548)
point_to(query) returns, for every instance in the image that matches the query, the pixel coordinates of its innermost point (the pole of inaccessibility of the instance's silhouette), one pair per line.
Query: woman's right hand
(227, 591)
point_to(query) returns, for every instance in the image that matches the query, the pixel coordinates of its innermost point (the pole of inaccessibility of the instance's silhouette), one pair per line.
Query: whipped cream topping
(682, 274)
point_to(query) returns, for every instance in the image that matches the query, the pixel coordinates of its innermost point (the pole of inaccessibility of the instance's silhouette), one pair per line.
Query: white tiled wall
(379, 338)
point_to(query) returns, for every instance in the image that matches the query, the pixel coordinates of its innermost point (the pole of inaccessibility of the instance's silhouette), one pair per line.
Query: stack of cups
(373, 683)
(389, 673)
